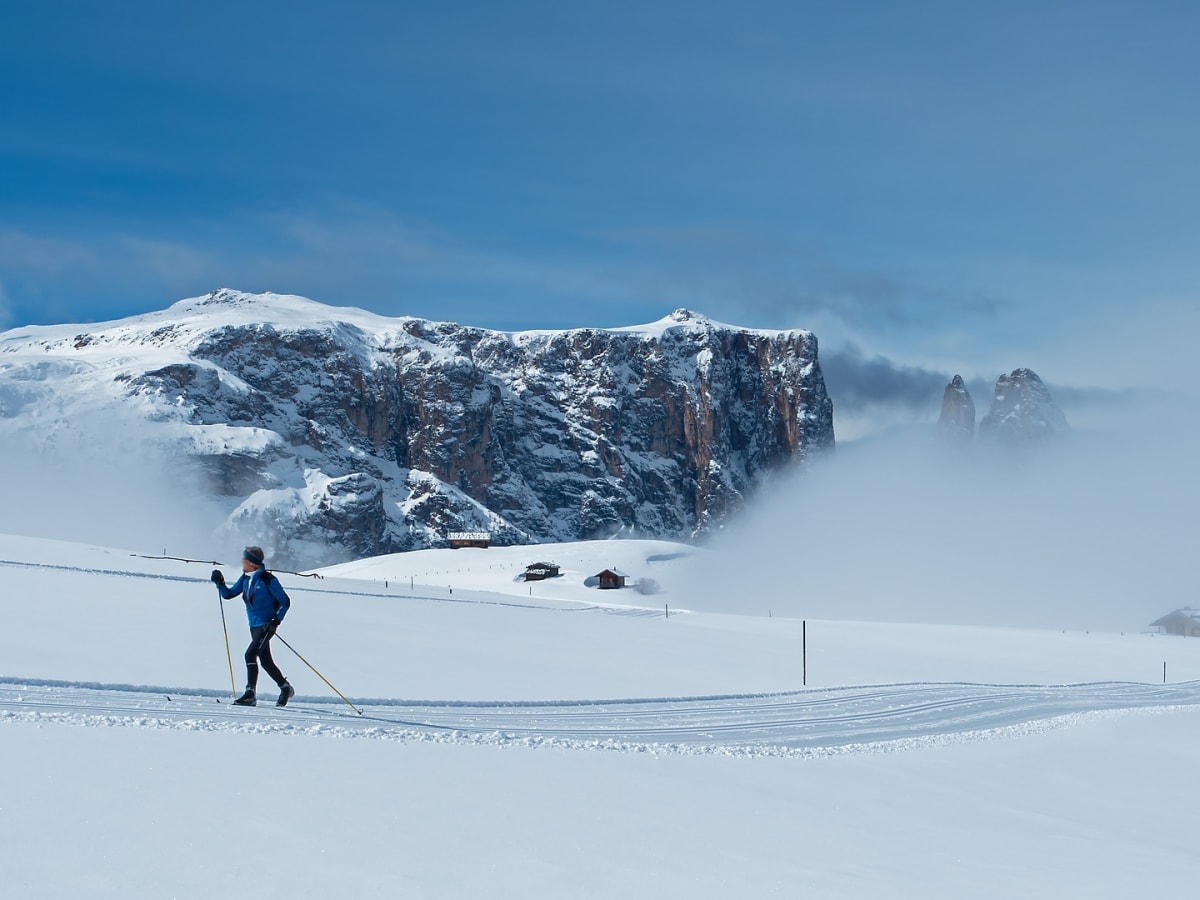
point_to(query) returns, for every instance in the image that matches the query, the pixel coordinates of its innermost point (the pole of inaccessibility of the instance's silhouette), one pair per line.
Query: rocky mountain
(332, 433)
(1022, 411)
(957, 420)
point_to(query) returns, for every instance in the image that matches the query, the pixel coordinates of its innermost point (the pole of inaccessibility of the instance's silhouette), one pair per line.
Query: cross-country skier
(266, 605)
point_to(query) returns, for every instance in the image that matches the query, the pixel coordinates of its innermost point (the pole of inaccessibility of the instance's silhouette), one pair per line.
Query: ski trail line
(791, 723)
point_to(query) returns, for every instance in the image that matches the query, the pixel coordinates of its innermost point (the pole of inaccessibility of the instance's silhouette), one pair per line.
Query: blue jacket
(264, 602)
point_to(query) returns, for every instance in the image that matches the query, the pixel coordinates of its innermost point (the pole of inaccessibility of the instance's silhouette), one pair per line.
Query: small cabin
(540, 571)
(611, 579)
(1185, 622)
(460, 539)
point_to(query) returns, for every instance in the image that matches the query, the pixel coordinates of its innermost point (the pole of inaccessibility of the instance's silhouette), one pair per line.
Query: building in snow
(459, 539)
(611, 579)
(1184, 621)
(540, 571)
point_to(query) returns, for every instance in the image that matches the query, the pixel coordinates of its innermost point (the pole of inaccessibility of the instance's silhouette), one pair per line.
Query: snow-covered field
(552, 740)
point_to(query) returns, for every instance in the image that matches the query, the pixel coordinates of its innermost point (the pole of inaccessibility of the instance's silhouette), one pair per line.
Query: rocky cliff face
(1022, 411)
(335, 433)
(957, 420)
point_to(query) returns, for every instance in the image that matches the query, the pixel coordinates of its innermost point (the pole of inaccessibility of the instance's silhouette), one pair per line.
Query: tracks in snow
(793, 723)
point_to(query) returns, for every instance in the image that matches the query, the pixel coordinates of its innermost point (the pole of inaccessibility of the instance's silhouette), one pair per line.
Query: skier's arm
(282, 602)
(228, 592)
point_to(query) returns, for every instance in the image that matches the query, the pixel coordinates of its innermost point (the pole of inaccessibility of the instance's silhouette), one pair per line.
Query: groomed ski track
(875, 718)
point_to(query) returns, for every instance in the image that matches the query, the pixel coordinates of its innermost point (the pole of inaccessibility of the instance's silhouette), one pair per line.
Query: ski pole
(319, 675)
(228, 655)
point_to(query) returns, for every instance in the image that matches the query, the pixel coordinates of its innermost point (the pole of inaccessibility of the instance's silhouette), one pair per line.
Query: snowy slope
(471, 632)
(1086, 811)
(513, 745)
(651, 567)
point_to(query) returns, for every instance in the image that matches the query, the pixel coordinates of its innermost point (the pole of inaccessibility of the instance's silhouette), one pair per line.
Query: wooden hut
(1184, 621)
(540, 571)
(611, 579)
(459, 539)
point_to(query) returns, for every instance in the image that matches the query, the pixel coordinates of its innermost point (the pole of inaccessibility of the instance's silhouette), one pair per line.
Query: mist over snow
(96, 479)
(1095, 531)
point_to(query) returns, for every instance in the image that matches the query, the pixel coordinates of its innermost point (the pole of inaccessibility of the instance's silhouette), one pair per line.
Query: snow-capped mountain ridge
(233, 307)
(335, 432)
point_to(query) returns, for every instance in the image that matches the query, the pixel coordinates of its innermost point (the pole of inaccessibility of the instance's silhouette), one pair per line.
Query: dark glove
(272, 625)
(218, 577)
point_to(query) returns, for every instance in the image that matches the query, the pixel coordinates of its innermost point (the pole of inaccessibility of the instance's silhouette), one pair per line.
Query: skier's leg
(257, 638)
(268, 662)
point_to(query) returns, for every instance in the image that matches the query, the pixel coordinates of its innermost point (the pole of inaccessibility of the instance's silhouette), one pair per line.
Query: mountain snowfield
(553, 740)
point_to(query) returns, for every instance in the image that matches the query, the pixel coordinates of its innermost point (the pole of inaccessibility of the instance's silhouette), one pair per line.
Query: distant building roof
(469, 536)
(1180, 614)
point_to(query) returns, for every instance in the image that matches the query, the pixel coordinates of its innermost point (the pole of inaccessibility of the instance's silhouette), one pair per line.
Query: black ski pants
(260, 650)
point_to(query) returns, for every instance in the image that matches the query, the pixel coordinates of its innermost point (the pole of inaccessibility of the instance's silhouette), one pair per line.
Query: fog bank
(1094, 532)
(91, 480)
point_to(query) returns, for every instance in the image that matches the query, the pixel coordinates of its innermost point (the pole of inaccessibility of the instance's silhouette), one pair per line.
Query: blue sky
(929, 186)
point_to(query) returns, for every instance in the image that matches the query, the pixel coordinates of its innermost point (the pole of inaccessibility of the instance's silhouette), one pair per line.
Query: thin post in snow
(667, 610)
(804, 652)
(1164, 672)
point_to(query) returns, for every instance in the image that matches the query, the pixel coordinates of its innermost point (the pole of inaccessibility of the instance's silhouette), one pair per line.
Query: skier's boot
(247, 699)
(286, 693)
